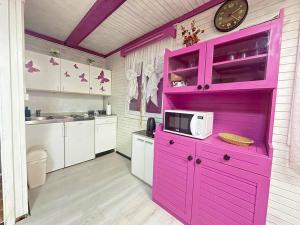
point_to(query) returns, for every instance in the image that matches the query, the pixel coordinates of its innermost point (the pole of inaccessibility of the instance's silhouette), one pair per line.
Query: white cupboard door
(42, 72)
(105, 137)
(52, 137)
(79, 142)
(100, 81)
(138, 157)
(149, 162)
(74, 77)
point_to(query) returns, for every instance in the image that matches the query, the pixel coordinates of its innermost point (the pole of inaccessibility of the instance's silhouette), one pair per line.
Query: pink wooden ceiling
(101, 25)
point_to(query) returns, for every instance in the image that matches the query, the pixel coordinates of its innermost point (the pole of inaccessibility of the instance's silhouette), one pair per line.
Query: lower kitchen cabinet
(142, 158)
(200, 190)
(52, 137)
(173, 176)
(227, 195)
(79, 142)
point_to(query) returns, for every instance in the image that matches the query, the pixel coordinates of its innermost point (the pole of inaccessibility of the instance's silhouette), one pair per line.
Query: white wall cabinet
(42, 72)
(142, 158)
(100, 81)
(74, 77)
(79, 142)
(105, 133)
(52, 137)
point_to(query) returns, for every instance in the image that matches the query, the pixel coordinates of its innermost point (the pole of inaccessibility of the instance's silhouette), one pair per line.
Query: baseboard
(104, 153)
(125, 156)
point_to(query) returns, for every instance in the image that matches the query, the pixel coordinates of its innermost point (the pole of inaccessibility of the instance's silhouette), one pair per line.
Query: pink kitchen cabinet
(235, 76)
(174, 172)
(224, 194)
(241, 60)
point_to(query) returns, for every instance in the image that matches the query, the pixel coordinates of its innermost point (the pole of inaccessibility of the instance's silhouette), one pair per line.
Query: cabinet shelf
(241, 62)
(186, 71)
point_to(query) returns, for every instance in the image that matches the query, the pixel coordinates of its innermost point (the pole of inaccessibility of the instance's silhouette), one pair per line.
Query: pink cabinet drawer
(175, 144)
(255, 164)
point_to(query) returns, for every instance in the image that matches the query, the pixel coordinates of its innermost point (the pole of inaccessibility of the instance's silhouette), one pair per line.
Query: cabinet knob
(91, 88)
(199, 87)
(190, 158)
(226, 157)
(171, 142)
(206, 86)
(198, 161)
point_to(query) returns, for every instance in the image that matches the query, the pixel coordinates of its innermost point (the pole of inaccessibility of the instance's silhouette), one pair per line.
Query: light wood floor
(98, 192)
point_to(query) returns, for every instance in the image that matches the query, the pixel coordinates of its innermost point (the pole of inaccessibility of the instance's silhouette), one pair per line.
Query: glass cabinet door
(185, 69)
(239, 61)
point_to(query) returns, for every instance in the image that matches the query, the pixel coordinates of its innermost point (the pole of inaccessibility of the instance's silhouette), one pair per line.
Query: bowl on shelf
(176, 78)
(178, 83)
(235, 139)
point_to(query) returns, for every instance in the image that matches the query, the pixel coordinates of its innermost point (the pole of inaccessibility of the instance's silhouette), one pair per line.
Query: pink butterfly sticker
(66, 74)
(102, 89)
(82, 78)
(75, 66)
(53, 62)
(30, 67)
(101, 78)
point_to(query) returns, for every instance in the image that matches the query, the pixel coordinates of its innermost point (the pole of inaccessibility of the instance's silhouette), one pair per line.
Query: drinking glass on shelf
(231, 55)
(261, 46)
(243, 53)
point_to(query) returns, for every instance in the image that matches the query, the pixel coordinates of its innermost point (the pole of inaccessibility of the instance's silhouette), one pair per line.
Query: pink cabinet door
(245, 59)
(225, 195)
(173, 178)
(186, 65)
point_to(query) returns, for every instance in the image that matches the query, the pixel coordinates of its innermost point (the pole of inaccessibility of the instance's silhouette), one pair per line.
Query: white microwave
(189, 123)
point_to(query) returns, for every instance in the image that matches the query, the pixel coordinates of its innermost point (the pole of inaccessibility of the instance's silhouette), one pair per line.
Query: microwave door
(172, 121)
(185, 123)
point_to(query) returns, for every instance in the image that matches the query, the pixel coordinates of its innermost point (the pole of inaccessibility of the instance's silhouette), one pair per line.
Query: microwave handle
(193, 125)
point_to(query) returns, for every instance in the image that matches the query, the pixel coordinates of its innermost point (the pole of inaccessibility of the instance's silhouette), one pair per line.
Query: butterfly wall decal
(76, 66)
(101, 78)
(30, 68)
(66, 74)
(53, 62)
(82, 78)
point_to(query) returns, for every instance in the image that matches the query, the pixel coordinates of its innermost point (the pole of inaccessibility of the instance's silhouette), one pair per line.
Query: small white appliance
(105, 133)
(189, 123)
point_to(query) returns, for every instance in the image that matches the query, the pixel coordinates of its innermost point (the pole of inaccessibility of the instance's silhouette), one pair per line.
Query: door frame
(12, 125)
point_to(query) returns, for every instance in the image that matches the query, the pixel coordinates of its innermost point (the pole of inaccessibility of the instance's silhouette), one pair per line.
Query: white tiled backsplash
(61, 102)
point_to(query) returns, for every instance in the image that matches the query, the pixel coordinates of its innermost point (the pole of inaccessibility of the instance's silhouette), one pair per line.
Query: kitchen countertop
(142, 133)
(60, 118)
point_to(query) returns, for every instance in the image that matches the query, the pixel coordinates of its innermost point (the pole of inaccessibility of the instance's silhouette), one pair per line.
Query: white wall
(61, 102)
(284, 204)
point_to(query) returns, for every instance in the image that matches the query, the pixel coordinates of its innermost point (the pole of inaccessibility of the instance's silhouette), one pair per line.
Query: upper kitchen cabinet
(42, 72)
(247, 59)
(184, 69)
(74, 77)
(100, 81)
(243, 60)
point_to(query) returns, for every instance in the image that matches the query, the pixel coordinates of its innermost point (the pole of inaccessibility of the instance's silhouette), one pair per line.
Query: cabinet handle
(206, 86)
(226, 157)
(149, 142)
(198, 161)
(171, 142)
(199, 87)
(140, 139)
(91, 88)
(190, 158)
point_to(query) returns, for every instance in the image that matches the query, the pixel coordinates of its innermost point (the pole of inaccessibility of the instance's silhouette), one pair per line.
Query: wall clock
(230, 15)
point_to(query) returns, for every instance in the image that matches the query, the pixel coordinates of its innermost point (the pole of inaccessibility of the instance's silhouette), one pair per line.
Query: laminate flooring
(97, 192)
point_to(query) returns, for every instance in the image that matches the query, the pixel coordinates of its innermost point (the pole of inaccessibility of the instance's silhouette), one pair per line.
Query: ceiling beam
(186, 16)
(93, 18)
(56, 41)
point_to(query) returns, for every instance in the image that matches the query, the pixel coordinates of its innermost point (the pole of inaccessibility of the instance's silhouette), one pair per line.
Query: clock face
(231, 14)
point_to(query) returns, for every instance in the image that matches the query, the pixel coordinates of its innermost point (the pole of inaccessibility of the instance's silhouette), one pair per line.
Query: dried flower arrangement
(190, 37)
